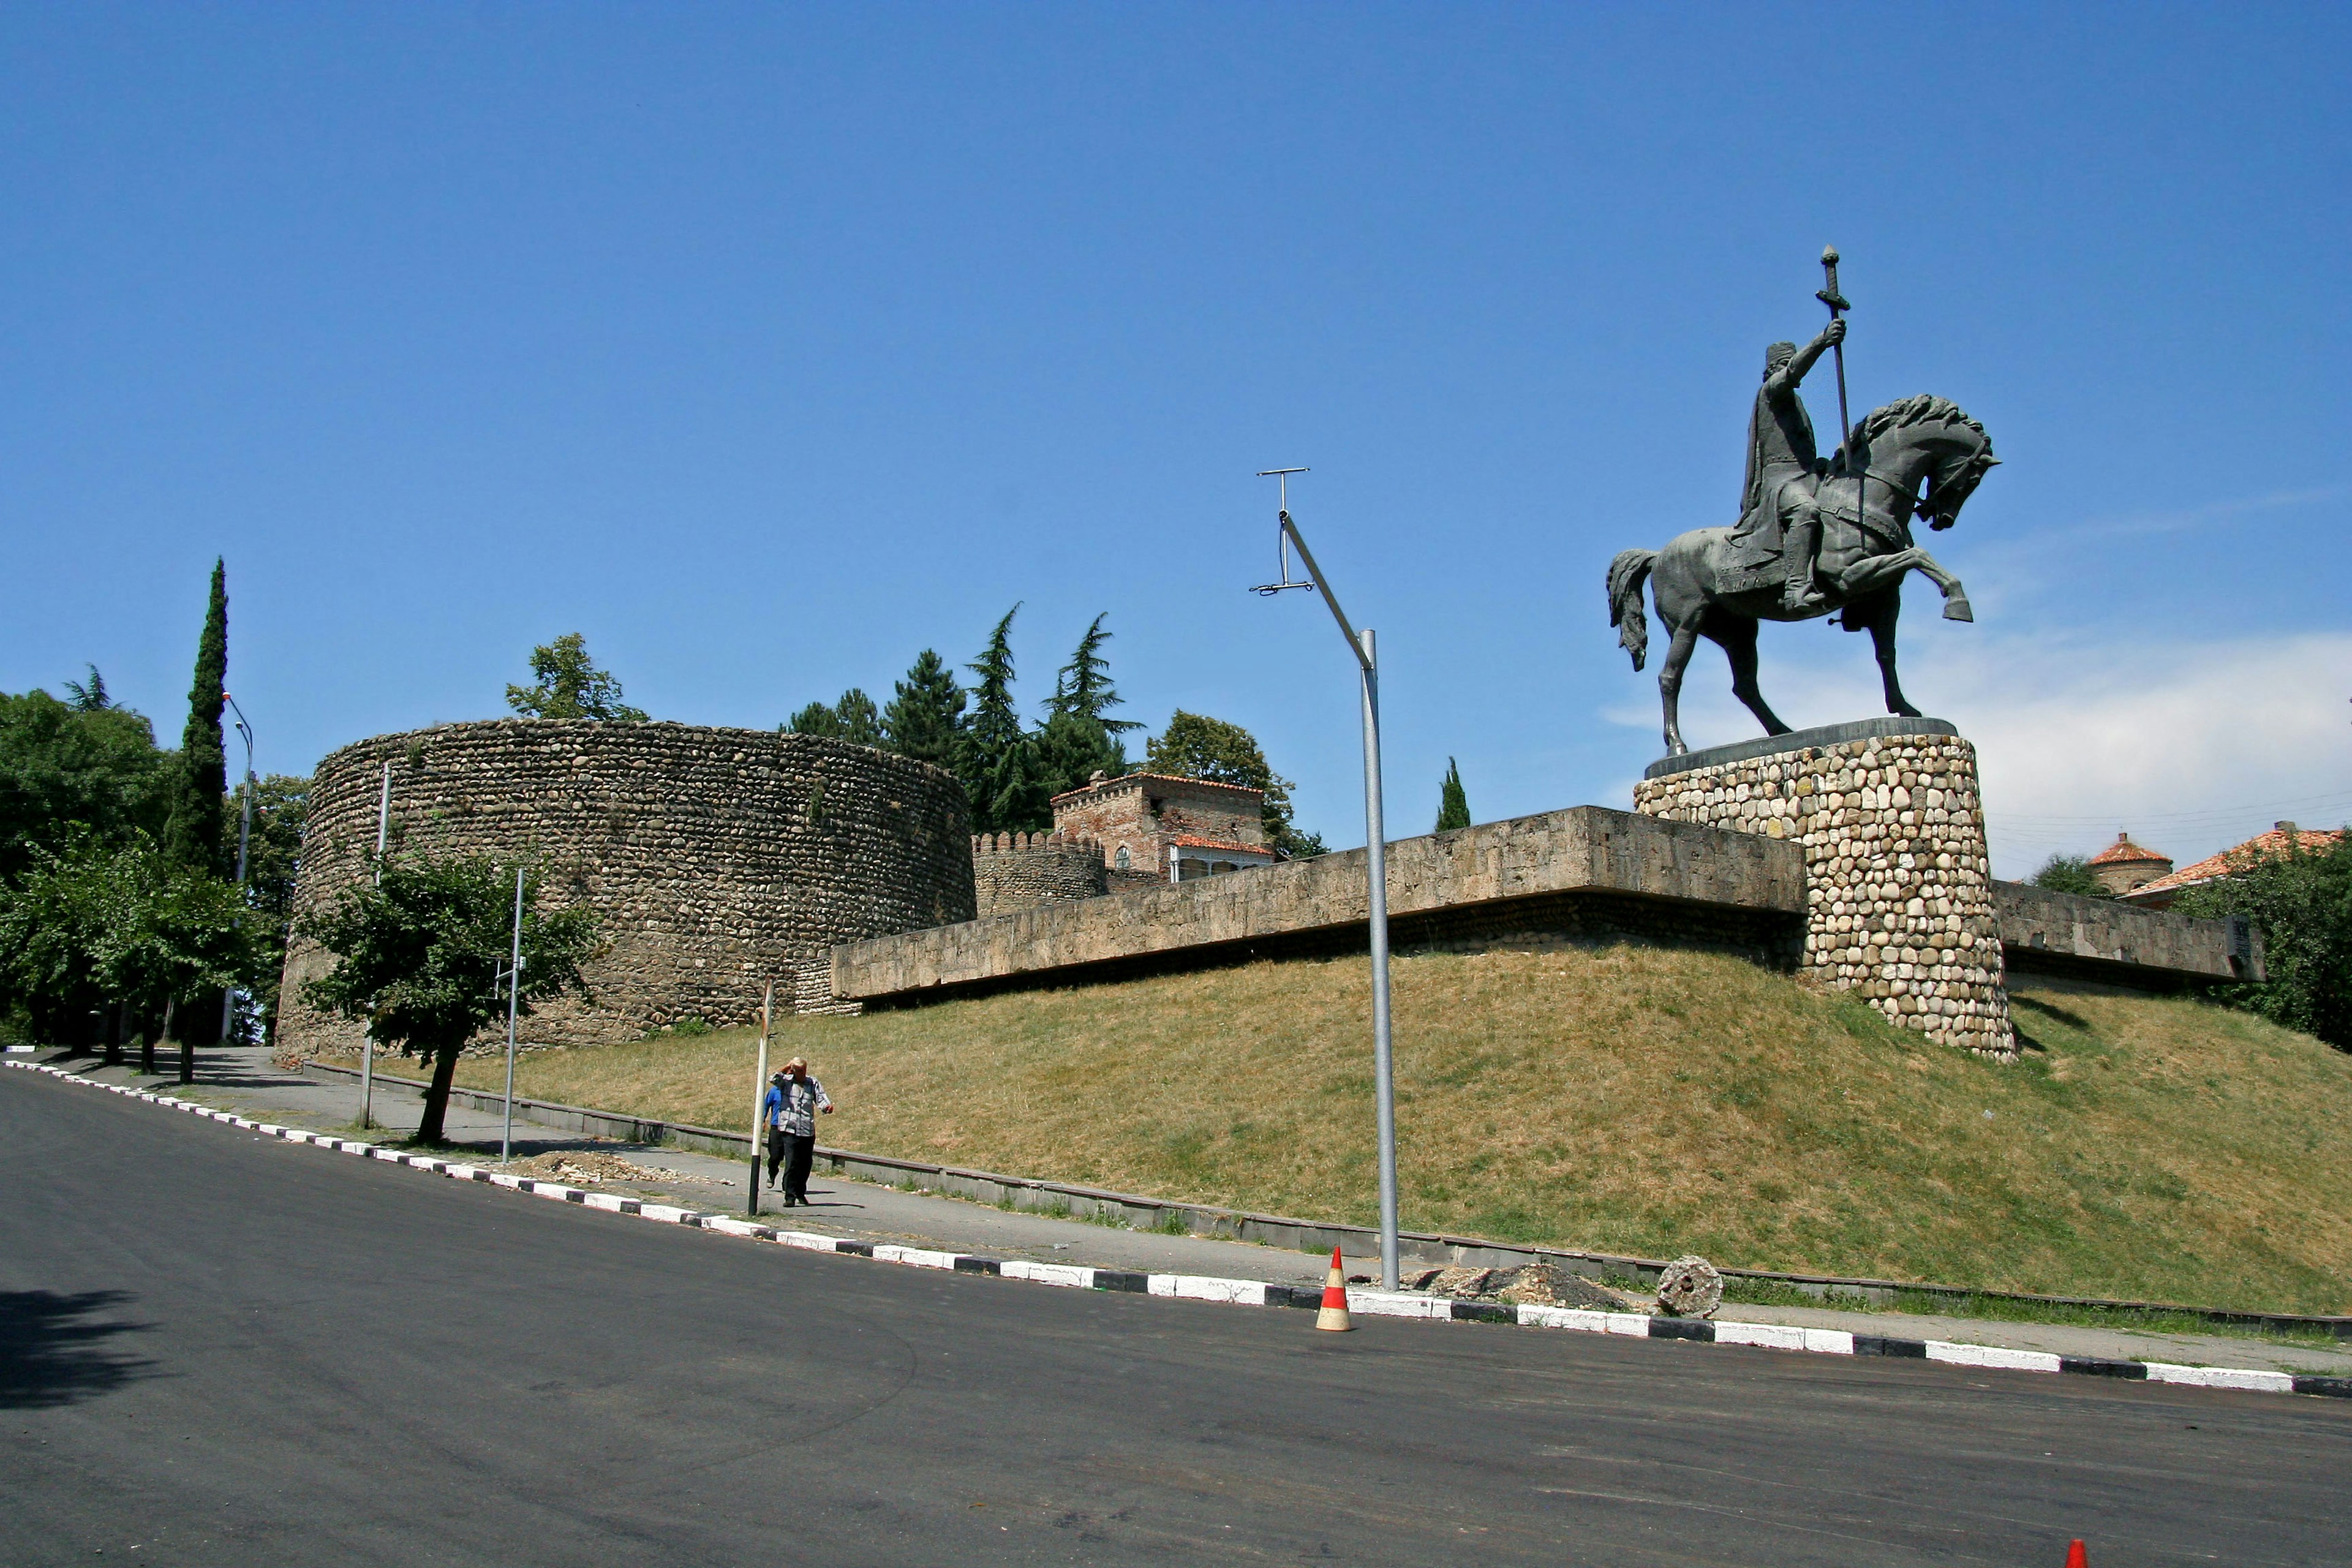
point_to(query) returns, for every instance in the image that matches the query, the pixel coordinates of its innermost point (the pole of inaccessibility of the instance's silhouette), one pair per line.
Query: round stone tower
(714, 859)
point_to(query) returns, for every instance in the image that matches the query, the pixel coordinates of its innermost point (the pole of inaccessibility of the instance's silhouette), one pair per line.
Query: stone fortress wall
(714, 858)
(1898, 884)
(1010, 870)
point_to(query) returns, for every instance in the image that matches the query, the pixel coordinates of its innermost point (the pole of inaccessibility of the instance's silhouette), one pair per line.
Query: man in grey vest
(1780, 448)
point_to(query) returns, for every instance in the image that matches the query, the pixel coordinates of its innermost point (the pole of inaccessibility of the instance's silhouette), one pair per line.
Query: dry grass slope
(1626, 1100)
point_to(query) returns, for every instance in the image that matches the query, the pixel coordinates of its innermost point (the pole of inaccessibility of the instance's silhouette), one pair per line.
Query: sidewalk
(243, 1079)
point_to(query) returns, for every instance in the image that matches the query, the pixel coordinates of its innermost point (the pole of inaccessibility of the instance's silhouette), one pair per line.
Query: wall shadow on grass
(55, 1348)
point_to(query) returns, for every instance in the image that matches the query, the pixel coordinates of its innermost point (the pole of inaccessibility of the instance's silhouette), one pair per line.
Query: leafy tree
(2301, 901)
(192, 833)
(125, 923)
(1195, 746)
(65, 768)
(90, 698)
(999, 764)
(570, 687)
(281, 804)
(419, 956)
(925, 718)
(1452, 800)
(2070, 874)
(853, 719)
(52, 923)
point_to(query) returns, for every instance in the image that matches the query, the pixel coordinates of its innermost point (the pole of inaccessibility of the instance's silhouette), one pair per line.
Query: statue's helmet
(1777, 355)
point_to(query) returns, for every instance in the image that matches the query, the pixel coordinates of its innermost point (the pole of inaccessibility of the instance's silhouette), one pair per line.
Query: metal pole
(1376, 877)
(367, 1046)
(243, 837)
(760, 1099)
(514, 988)
(1376, 901)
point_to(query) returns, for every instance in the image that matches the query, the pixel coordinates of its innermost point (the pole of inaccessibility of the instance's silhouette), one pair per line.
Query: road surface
(217, 1347)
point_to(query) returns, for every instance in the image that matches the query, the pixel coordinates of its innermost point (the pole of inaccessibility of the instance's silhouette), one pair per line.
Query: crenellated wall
(714, 859)
(1014, 870)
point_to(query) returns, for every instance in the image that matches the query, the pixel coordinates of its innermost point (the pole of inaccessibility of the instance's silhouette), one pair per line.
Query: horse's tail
(1626, 576)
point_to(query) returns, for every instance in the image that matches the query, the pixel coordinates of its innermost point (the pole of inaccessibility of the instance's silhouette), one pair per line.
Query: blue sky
(767, 345)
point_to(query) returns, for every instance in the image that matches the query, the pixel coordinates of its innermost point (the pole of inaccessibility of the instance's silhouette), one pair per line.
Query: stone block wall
(714, 859)
(1898, 885)
(1010, 870)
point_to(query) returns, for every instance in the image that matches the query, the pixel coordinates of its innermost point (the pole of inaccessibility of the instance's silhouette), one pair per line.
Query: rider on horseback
(1780, 448)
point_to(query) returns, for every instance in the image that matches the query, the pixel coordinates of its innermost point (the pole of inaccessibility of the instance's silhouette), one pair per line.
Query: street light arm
(1307, 559)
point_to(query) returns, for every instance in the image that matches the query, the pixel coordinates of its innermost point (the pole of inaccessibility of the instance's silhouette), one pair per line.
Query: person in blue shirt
(789, 1111)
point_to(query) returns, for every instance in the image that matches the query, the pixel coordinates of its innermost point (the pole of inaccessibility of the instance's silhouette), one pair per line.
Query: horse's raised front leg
(1880, 615)
(1670, 685)
(1869, 576)
(1738, 636)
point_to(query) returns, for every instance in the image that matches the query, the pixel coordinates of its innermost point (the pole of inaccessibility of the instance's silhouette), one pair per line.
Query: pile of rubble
(592, 1167)
(1690, 1288)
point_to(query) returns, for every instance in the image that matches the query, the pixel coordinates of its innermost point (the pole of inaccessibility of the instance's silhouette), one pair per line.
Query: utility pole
(1376, 859)
(514, 988)
(760, 1101)
(243, 838)
(367, 1046)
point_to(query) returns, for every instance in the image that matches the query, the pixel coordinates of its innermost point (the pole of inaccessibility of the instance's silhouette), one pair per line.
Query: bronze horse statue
(1867, 497)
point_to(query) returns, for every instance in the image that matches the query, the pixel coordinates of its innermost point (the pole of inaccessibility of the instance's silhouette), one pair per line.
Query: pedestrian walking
(789, 1110)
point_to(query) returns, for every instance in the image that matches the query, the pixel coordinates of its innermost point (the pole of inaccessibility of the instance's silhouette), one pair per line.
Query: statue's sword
(1837, 304)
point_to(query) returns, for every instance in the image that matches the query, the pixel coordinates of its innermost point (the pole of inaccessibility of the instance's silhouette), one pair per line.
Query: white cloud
(2192, 747)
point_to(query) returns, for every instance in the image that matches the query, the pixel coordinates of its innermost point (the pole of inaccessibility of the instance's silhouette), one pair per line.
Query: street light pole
(367, 1044)
(243, 838)
(1376, 860)
(514, 986)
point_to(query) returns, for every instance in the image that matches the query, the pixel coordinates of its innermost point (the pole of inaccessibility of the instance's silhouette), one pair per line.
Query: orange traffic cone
(1334, 1315)
(2077, 1557)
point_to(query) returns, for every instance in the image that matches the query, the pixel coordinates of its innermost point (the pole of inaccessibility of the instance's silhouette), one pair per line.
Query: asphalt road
(221, 1349)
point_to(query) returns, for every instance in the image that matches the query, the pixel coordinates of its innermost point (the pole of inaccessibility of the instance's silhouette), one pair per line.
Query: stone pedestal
(1898, 893)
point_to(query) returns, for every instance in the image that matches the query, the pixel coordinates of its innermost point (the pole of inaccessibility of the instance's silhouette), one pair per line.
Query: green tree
(89, 698)
(2301, 903)
(281, 804)
(925, 718)
(419, 954)
(52, 925)
(95, 922)
(570, 687)
(1195, 746)
(65, 768)
(1077, 740)
(1452, 800)
(999, 765)
(2070, 874)
(192, 833)
(853, 719)
(175, 938)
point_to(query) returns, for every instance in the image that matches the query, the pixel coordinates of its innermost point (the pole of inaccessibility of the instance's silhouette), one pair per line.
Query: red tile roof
(2123, 852)
(1186, 841)
(2214, 866)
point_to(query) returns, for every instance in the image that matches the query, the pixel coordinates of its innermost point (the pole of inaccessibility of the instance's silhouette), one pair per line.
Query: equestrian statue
(1815, 537)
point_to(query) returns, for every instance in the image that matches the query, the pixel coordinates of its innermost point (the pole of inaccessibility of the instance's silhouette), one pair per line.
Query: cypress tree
(192, 833)
(925, 719)
(1452, 802)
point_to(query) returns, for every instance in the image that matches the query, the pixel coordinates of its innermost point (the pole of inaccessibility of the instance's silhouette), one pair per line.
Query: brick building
(1155, 829)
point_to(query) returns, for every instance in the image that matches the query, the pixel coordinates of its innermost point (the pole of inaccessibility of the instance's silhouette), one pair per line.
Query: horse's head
(1924, 437)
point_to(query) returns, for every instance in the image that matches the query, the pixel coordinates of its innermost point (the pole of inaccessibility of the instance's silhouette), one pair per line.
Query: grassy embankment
(1624, 1100)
